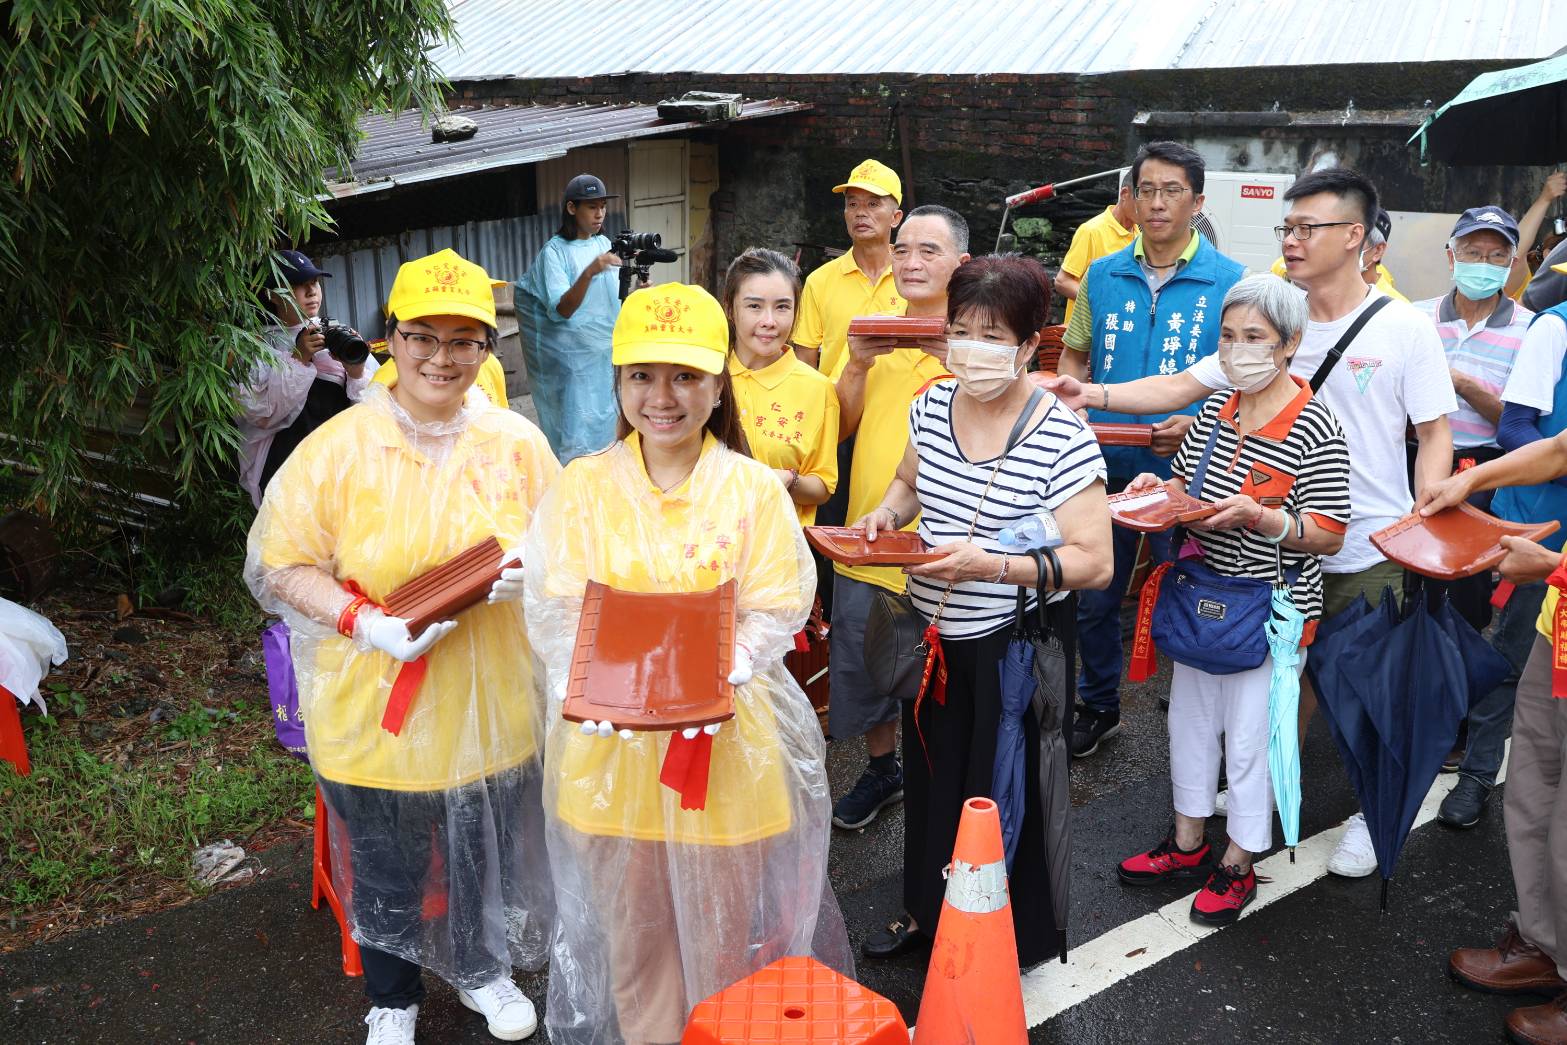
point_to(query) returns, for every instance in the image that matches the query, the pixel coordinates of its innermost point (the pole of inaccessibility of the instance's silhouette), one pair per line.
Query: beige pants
(1536, 808)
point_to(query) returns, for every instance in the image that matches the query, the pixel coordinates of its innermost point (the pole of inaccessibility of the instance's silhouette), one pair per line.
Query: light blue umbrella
(1284, 628)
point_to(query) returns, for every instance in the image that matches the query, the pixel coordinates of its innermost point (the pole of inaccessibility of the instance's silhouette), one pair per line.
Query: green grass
(80, 824)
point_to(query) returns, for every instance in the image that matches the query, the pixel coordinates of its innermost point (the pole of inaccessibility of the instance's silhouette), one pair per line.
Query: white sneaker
(1354, 857)
(392, 1026)
(1221, 803)
(503, 1005)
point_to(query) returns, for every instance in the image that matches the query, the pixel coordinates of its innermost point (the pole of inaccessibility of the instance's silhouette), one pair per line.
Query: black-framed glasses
(463, 351)
(1171, 193)
(1302, 230)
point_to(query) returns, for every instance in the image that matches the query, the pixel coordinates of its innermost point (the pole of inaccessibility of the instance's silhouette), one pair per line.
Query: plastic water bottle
(1039, 530)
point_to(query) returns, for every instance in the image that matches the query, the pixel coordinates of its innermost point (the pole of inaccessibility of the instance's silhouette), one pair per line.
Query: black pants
(398, 842)
(956, 762)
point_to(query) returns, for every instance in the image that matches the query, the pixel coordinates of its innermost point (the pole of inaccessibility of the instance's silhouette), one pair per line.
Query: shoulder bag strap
(1337, 351)
(1200, 473)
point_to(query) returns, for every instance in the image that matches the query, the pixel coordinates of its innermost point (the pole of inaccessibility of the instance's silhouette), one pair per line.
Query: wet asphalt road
(256, 964)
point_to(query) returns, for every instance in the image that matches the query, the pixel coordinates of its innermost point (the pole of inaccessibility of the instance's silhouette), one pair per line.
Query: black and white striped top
(1298, 458)
(1053, 460)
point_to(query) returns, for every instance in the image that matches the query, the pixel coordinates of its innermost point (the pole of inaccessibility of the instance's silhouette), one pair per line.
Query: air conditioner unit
(1239, 212)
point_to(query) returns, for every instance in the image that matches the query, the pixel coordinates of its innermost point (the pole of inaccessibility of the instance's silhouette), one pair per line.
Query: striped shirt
(1485, 353)
(1053, 460)
(1298, 460)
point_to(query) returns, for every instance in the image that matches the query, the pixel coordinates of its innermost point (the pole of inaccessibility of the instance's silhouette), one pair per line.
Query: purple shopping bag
(287, 720)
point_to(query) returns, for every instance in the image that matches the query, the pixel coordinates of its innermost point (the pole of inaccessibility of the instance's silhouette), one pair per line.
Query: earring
(717, 403)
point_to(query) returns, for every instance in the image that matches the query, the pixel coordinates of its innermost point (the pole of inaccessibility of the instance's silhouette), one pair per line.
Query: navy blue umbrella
(1393, 698)
(1009, 781)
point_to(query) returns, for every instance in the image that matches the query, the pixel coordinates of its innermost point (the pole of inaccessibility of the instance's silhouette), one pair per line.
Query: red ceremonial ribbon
(1145, 658)
(1558, 580)
(686, 766)
(802, 641)
(1503, 592)
(933, 680)
(409, 677)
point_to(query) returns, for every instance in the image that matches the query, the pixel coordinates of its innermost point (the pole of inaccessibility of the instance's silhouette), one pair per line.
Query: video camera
(638, 252)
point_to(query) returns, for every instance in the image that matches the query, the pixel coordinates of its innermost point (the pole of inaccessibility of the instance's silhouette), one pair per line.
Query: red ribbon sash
(1145, 658)
(933, 680)
(687, 764)
(1558, 580)
(409, 677)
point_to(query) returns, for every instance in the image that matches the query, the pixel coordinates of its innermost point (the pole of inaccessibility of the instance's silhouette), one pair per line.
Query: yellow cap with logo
(442, 284)
(1562, 268)
(671, 323)
(874, 176)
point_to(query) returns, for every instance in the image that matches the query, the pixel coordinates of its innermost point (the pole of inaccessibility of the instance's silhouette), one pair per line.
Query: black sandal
(895, 940)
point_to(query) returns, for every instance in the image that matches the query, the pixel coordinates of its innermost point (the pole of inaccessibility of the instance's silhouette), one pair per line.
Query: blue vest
(1547, 500)
(1138, 333)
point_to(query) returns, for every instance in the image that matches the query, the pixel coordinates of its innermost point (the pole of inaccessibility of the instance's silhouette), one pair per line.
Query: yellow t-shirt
(606, 520)
(491, 380)
(1385, 282)
(834, 294)
(1546, 621)
(790, 414)
(357, 500)
(1095, 238)
(880, 441)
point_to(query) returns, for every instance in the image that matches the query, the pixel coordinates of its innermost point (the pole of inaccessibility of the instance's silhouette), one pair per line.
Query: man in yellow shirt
(878, 381)
(1098, 236)
(858, 283)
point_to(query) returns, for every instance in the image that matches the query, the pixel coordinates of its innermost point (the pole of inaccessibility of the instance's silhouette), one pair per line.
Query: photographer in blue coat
(1152, 308)
(567, 304)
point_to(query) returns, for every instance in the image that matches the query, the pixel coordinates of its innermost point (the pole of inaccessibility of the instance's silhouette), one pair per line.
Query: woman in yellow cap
(661, 904)
(441, 800)
(788, 408)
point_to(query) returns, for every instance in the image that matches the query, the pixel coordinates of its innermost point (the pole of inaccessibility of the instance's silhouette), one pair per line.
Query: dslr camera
(342, 342)
(638, 252)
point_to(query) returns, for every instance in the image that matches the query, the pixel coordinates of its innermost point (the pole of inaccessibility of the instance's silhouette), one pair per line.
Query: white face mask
(984, 370)
(1248, 367)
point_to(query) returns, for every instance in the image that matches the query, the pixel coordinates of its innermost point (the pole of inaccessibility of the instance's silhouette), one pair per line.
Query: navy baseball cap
(1384, 224)
(297, 268)
(1493, 219)
(586, 187)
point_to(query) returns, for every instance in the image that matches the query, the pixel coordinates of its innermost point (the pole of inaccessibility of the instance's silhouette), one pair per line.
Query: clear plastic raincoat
(442, 861)
(662, 906)
(568, 359)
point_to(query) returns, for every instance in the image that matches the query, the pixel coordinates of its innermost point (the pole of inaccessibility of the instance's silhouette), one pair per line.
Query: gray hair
(1374, 237)
(1282, 305)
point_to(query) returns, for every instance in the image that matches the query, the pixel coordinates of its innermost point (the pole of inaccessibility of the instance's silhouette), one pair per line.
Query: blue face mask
(1477, 280)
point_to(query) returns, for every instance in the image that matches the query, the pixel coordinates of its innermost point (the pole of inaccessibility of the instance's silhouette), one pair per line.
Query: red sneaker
(1228, 891)
(1163, 863)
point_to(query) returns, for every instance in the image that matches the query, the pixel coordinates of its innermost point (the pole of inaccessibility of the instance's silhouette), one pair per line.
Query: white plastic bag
(29, 647)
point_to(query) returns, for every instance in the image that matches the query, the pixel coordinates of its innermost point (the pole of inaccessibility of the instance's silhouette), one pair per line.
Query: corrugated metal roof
(397, 150)
(546, 38)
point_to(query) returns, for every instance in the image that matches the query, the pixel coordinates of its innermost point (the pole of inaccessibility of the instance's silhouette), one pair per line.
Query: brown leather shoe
(1540, 1024)
(1511, 967)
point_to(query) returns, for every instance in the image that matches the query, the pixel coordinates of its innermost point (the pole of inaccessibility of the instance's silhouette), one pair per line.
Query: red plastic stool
(796, 1000)
(13, 746)
(321, 886)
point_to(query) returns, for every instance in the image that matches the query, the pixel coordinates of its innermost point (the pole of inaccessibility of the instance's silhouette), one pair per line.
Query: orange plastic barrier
(13, 746)
(973, 991)
(796, 999)
(321, 886)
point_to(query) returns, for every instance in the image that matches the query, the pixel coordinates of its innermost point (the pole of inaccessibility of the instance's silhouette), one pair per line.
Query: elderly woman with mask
(1278, 475)
(986, 452)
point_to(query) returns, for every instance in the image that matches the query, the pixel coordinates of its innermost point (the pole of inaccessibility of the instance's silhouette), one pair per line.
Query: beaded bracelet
(1006, 565)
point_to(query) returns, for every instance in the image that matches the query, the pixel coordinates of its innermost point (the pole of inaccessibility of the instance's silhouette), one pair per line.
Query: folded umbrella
(1285, 627)
(1393, 703)
(1009, 776)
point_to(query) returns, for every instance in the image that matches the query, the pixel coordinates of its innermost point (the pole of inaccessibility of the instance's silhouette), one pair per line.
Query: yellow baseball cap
(874, 176)
(442, 284)
(671, 323)
(1562, 268)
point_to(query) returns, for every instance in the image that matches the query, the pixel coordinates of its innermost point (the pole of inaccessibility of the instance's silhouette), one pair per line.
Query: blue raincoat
(568, 360)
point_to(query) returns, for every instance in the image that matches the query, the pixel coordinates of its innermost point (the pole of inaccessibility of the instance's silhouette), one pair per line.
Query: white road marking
(1051, 988)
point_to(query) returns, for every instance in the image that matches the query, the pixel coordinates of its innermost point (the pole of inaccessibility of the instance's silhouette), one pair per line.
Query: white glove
(390, 635)
(605, 729)
(743, 668)
(509, 587)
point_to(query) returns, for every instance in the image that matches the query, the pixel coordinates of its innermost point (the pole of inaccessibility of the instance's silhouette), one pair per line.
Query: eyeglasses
(1470, 256)
(1302, 230)
(1171, 193)
(460, 350)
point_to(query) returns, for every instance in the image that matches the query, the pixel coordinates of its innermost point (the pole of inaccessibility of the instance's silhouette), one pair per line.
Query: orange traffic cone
(973, 991)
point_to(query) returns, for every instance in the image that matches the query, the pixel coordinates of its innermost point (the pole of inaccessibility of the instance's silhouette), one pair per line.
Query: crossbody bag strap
(1338, 350)
(1012, 440)
(1200, 473)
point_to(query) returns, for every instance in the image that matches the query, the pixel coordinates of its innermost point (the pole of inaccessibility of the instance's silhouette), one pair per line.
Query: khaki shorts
(1340, 589)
